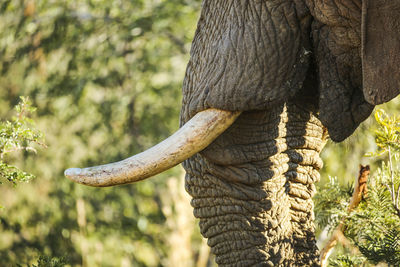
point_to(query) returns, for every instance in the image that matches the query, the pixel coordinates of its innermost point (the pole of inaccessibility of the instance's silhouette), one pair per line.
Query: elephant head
(267, 82)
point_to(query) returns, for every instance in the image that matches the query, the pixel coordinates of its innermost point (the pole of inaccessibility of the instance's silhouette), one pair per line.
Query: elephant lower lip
(193, 137)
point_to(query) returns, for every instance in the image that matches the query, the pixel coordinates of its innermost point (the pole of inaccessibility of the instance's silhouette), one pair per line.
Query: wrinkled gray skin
(293, 67)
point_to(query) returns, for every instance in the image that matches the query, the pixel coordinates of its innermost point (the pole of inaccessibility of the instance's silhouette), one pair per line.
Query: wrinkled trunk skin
(252, 188)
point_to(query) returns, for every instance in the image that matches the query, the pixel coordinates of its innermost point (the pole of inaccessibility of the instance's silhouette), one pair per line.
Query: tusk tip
(70, 173)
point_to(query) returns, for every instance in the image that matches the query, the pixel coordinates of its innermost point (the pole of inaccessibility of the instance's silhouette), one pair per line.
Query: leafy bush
(45, 261)
(373, 228)
(16, 135)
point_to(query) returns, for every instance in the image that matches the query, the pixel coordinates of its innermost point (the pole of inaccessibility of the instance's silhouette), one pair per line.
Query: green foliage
(387, 136)
(378, 233)
(331, 201)
(374, 227)
(381, 248)
(16, 135)
(106, 79)
(346, 261)
(45, 261)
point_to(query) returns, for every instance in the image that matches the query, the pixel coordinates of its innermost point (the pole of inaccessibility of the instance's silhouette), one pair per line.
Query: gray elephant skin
(300, 72)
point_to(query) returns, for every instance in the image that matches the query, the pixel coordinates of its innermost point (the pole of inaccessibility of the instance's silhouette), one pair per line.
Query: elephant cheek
(247, 55)
(252, 188)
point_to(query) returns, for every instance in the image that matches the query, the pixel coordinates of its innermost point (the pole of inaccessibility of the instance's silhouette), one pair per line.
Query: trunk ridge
(252, 188)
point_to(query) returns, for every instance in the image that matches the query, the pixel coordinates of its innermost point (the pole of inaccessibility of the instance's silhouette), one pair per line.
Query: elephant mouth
(194, 136)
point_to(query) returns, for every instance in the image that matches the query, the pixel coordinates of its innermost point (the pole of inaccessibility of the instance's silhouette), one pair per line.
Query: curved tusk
(191, 138)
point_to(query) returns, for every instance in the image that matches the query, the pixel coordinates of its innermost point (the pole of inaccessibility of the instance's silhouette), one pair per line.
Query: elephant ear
(381, 50)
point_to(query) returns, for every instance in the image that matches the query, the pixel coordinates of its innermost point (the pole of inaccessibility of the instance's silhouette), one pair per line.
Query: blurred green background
(106, 79)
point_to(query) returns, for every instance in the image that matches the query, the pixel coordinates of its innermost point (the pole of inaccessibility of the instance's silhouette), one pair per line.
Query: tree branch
(360, 190)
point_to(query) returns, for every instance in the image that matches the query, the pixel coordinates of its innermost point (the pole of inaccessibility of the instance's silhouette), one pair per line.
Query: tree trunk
(252, 188)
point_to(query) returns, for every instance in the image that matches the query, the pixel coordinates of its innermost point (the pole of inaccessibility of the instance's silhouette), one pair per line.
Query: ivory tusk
(191, 138)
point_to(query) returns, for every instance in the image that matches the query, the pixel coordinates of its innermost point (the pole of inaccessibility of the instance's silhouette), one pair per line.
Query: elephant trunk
(252, 188)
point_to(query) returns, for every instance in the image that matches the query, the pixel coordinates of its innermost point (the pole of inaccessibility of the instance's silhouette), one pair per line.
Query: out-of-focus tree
(106, 79)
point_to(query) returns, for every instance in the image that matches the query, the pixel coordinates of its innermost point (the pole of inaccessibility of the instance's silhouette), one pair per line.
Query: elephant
(267, 84)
